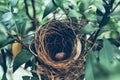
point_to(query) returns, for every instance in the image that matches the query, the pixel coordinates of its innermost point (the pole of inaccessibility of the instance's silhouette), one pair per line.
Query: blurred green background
(99, 22)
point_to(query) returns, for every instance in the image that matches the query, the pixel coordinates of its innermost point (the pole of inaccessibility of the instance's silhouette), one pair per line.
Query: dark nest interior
(59, 39)
(59, 51)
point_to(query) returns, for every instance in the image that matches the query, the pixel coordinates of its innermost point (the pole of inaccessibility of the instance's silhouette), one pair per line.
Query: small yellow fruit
(16, 48)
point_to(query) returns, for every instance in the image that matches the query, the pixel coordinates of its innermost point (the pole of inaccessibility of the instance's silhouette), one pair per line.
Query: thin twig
(27, 11)
(91, 35)
(34, 9)
(115, 7)
(90, 42)
(17, 39)
(33, 18)
(32, 50)
(34, 14)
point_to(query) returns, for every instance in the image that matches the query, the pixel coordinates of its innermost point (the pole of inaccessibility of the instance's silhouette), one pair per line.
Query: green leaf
(115, 42)
(73, 13)
(29, 78)
(84, 5)
(90, 27)
(28, 28)
(114, 34)
(99, 5)
(14, 2)
(3, 34)
(108, 63)
(35, 75)
(21, 58)
(7, 16)
(115, 14)
(21, 26)
(7, 41)
(4, 38)
(57, 2)
(49, 8)
(34, 78)
(91, 61)
(28, 39)
(3, 10)
(106, 54)
(26, 77)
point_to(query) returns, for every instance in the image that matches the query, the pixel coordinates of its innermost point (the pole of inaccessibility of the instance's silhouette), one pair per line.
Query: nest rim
(64, 64)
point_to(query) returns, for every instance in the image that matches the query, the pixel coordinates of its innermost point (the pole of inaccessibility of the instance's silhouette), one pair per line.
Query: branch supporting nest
(59, 50)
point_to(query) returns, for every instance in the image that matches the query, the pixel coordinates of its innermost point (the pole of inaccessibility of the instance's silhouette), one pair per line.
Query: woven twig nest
(57, 37)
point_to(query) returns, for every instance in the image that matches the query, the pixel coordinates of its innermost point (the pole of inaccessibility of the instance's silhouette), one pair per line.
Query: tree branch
(34, 14)
(34, 9)
(102, 21)
(101, 24)
(27, 11)
(33, 18)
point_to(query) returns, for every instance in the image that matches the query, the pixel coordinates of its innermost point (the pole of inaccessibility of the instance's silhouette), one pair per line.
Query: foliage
(99, 22)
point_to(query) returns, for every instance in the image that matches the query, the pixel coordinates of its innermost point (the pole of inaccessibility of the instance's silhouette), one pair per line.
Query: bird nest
(59, 51)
